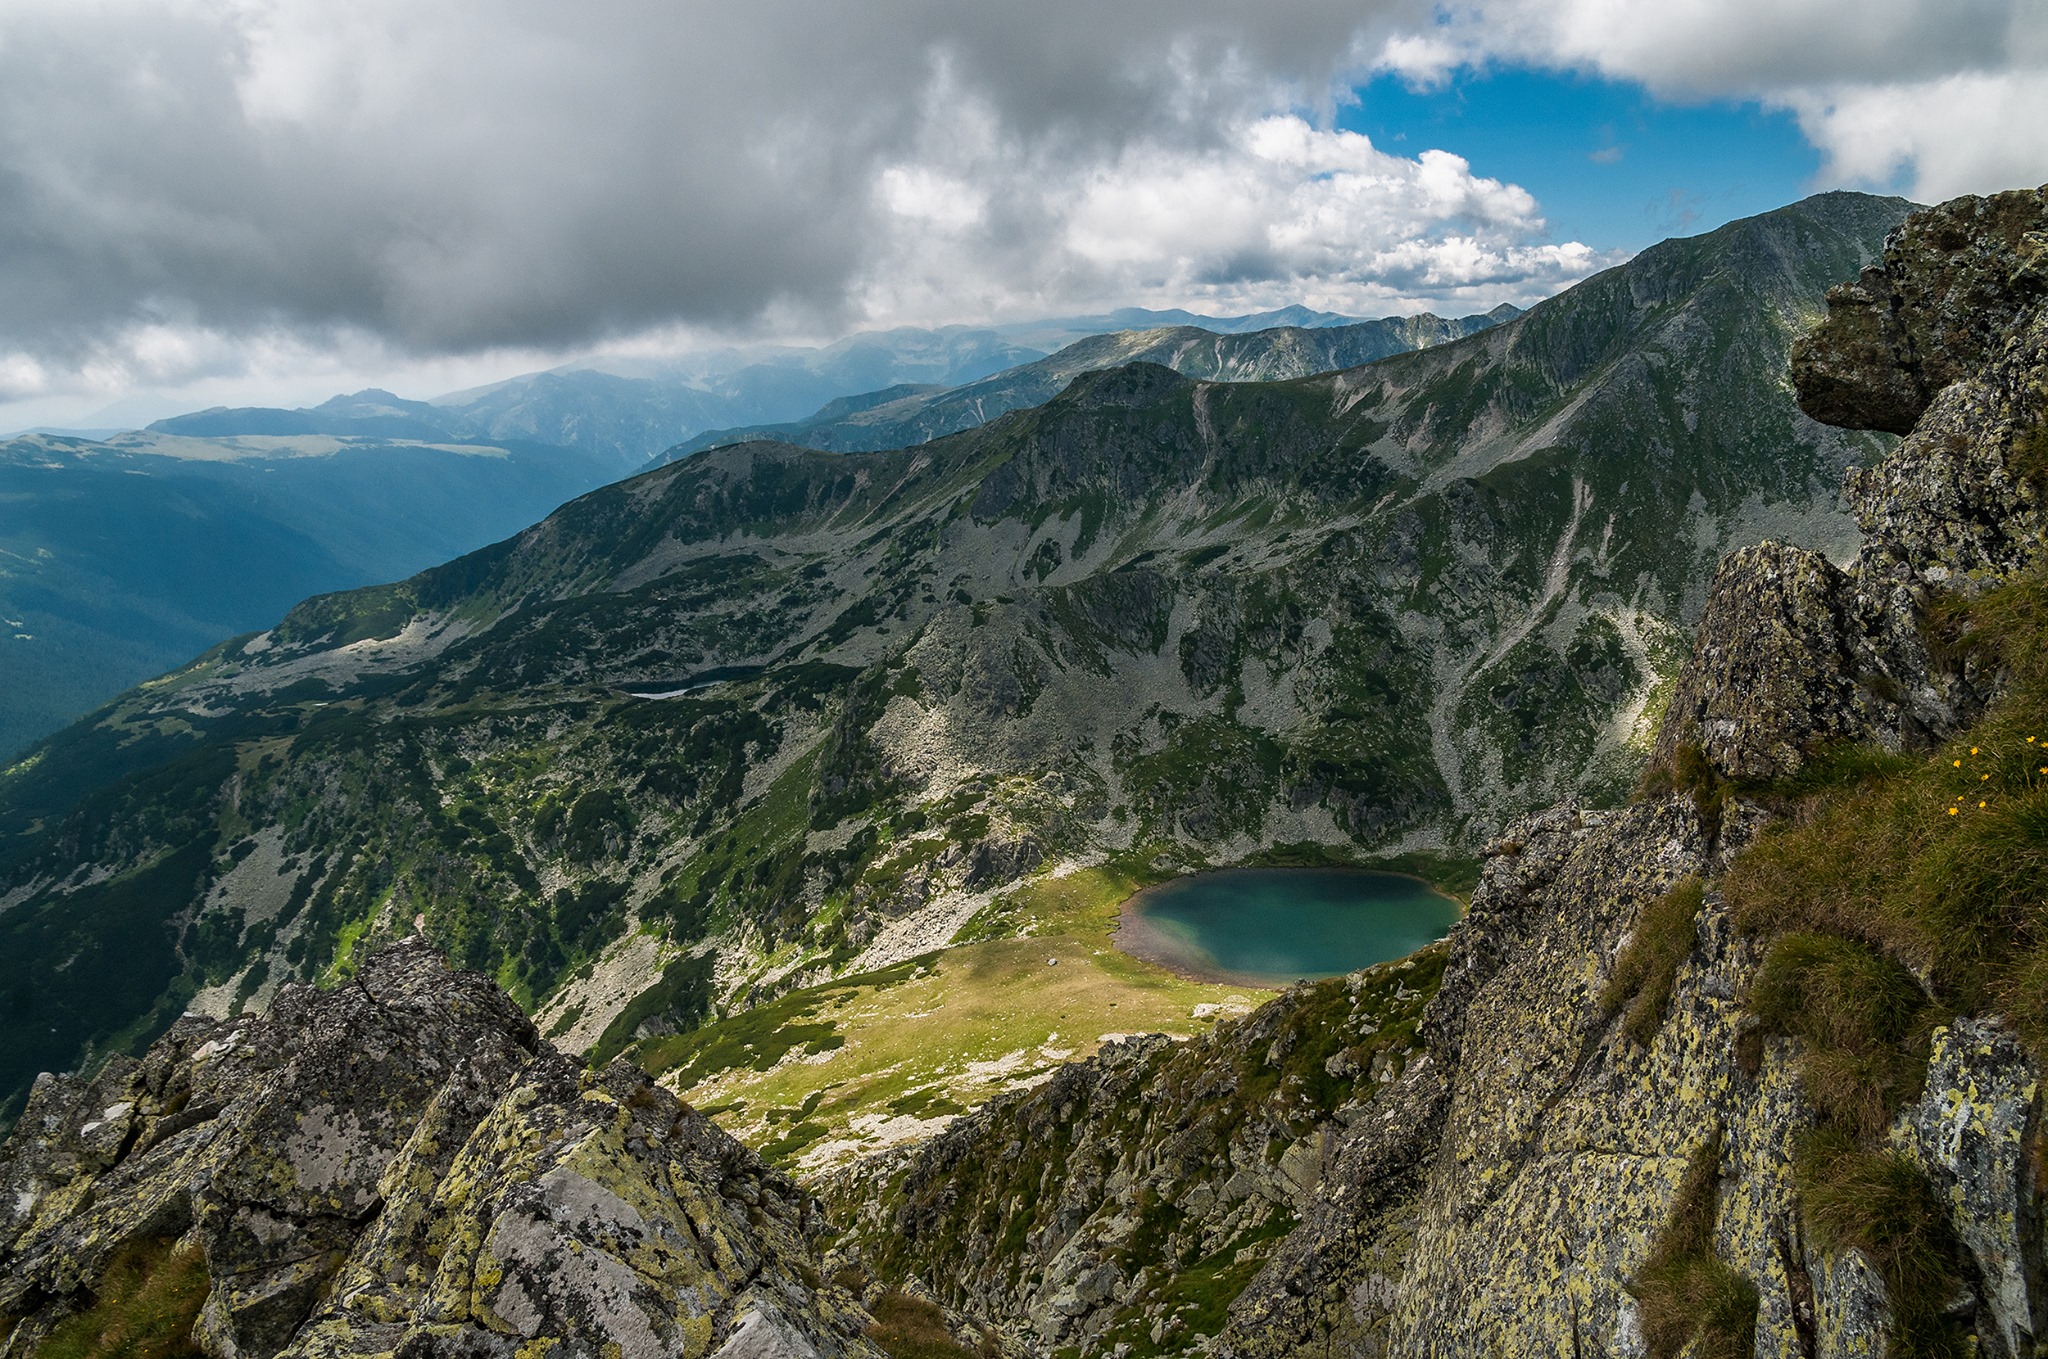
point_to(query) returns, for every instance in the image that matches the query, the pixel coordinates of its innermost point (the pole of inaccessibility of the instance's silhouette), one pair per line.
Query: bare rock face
(582, 1210)
(401, 1165)
(1769, 675)
(1953, 282)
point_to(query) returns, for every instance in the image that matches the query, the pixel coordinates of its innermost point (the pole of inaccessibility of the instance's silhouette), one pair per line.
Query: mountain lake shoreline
(1272, 927)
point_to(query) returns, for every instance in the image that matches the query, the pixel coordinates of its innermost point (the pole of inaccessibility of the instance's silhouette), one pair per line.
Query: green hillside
(120, 560)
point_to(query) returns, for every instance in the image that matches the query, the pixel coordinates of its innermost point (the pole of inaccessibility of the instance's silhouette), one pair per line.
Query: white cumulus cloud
(1276, 210)
(1941, 96)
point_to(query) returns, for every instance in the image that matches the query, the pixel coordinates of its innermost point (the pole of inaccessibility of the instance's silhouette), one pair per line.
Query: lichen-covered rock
(265, 1137)
(1506, 1205)
(401, 1163)
(1971, 1132)
(582, 1211)
(1952, 284)
(1769, 676)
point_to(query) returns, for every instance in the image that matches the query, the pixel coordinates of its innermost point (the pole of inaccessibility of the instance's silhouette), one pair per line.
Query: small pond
(1275, 926)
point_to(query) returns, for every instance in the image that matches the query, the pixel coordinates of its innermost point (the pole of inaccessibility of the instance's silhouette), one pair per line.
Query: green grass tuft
(147, 1303)
(1863, 1018)
(1881, 1204)
(1685, 1293)
(911, 1328)
(1648, 967)
(1692, 774)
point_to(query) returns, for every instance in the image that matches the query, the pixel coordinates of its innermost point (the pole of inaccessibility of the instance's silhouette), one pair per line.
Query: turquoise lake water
(1274, 926)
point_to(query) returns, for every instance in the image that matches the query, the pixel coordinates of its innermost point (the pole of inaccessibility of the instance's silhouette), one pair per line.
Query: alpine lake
(1275, 926)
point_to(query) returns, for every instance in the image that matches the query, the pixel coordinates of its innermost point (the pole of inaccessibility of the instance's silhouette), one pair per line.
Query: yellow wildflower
(1959, 764)
(1951, 811)
(1980, 804)
(1973, 750)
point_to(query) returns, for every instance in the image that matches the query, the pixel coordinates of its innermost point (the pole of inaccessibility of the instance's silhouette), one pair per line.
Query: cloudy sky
(242, 201)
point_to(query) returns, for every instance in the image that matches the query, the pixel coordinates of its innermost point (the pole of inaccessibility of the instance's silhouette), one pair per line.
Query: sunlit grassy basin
(1274, 926)
(834, 1071)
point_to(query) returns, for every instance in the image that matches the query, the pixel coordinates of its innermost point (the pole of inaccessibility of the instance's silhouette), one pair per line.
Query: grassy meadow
(843, 1069)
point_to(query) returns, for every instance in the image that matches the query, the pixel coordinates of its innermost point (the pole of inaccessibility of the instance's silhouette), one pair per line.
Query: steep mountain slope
(897, 417)
(1750, 1066)
(1380, 610)
(121, 559)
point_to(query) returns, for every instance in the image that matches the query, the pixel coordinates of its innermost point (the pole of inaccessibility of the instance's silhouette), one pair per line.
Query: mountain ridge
(1247, 355)
(437, 507)
(634, 409)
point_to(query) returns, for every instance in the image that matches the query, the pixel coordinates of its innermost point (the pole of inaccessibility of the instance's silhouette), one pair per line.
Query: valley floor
(835, 1072)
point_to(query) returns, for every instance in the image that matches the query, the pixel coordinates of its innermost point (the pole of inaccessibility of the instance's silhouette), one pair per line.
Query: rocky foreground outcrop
(401, 1166)
(1946, 341)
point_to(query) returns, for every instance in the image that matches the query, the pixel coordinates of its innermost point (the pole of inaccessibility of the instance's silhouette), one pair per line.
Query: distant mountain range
(119, 560)
(122, 556)
(1314, 342)
(631, 408)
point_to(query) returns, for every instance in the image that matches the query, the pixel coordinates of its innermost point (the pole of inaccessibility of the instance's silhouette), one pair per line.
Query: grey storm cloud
(453, 176)
(447, 177)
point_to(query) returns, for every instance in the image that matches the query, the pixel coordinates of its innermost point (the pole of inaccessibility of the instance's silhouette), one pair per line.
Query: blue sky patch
(1612, 165)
